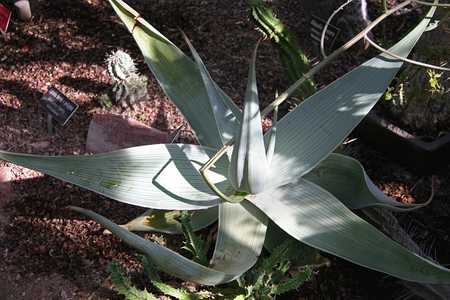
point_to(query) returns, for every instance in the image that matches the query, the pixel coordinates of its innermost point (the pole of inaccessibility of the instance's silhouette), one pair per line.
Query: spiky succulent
(120, 65)
(307, 190)
(294, 60)
(129, 86)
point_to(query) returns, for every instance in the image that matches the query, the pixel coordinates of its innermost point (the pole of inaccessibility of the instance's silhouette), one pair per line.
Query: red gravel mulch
(48, 252)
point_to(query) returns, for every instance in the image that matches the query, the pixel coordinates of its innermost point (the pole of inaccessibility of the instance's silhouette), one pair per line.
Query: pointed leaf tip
(310, 132)
(227, 264)
(178, 76)
(248, 168)
(225, 119)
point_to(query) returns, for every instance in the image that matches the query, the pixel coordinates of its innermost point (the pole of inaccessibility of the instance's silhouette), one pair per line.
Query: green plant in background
(388, 95)
(418, 98)
(294, 60)
(271, 278)
(125, 288)
(434, 79)
(194, 244)
(164, 222)
(129, 86)
(289, 177)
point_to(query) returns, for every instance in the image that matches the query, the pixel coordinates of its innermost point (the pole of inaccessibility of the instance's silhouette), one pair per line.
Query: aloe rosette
(289, 176)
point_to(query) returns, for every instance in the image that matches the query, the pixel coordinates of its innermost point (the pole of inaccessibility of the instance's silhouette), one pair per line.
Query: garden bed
(50, 253)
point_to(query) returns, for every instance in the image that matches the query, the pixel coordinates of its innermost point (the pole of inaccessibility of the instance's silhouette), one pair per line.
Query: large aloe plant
(297, 183)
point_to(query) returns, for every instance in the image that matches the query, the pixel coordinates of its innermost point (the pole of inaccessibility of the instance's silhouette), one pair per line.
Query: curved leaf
(181, 267)
(155, 176)
(310, 132)
(177, 74)
(345, 178)
(315, 217)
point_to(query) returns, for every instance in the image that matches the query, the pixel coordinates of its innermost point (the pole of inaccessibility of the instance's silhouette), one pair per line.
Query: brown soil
(50, 253)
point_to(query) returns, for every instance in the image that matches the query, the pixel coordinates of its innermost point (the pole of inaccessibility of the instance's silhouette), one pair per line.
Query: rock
(6, 195)
(6, 192)
(109, 132)
(23, 9)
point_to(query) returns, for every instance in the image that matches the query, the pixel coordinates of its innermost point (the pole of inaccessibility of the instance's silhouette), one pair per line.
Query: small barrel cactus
(120, 65)
(129, 86)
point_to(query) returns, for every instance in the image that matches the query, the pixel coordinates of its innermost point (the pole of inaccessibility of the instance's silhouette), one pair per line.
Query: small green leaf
(180, 293)
(293, 283)
(193, 242)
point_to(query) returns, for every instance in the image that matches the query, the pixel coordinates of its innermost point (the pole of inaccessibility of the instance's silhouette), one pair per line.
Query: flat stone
(6, 192)
(6, 195)
(109, 132)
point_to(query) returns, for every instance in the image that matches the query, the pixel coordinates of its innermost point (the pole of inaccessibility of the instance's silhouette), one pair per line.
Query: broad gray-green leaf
(248, 167)
(240, 237)
(164, 221)
(310, 132)
(179, 266)
(315, 217)
(225, 119)
(155, 176)
(345, 178)
(177, 74)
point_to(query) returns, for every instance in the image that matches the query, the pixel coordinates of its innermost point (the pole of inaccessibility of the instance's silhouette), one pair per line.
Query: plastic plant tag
(58, 106)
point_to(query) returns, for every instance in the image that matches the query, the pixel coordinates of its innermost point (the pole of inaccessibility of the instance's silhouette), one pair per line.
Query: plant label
(316, 27)
(58, 106)
(5, 16)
